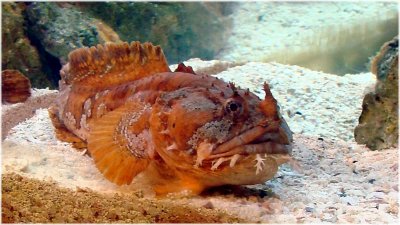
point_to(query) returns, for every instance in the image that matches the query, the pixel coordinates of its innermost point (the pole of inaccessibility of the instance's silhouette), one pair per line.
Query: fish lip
(254, 149)
(255, 140)
(283, 136)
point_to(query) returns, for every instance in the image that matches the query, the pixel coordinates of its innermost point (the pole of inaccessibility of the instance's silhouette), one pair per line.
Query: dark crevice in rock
(50, 65)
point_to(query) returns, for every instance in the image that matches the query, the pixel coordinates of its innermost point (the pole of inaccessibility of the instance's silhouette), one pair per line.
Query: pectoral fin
(120, 143)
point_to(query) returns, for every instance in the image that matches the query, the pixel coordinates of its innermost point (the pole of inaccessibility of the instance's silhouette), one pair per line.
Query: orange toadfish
(185, 131)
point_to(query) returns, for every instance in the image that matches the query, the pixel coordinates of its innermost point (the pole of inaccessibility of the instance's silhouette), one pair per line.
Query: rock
(106, 33)
(355, 192)
(310, 209)
(60, 28)
(376, 195)
(17, 51)
(350, 200)
(327, 217)
(378, 123)
(15, 87)
(183, 29)
(208, 205)
(383, 207)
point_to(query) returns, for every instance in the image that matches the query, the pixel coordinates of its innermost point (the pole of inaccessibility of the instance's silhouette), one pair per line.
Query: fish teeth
(234, 159)
(259, 163)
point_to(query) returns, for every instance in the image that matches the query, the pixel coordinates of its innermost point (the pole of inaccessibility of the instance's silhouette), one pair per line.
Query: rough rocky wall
(60, 30)
(17, 51)
(378, 123)
(183, 29)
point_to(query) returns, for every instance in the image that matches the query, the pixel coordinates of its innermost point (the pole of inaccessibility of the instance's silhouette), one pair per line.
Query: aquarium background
(333, 37)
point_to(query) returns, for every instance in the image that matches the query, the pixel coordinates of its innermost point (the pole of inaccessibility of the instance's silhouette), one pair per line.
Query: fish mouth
(271, 140)
(251, 142)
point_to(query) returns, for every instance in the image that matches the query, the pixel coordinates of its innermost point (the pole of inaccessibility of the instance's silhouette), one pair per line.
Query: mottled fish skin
(182, 130)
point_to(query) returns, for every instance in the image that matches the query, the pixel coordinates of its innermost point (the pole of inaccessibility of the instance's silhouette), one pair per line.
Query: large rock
(17, 51)
(60, 29)
(15, 87)
(183, 29)
(378, 123)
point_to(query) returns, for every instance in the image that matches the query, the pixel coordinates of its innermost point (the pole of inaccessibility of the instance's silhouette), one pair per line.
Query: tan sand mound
(27, 200)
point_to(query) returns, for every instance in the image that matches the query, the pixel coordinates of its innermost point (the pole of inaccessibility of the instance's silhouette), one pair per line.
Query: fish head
(221, 134)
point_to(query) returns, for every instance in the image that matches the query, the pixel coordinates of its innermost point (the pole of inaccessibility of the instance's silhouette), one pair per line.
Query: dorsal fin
(112, 63)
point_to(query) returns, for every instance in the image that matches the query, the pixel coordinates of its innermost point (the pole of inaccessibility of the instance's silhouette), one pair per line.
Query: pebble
(355, 192)
(310, 209)
(350, 200)
(253, 199)
(208, 205)
(384, 207)
(393, 194)
(43, 138)
(329, 218)
(378, 195)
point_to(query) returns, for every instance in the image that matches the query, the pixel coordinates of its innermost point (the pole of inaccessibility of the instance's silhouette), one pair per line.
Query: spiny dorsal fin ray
(112, 63)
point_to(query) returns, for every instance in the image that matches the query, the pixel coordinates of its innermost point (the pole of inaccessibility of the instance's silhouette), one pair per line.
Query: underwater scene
(199, 112)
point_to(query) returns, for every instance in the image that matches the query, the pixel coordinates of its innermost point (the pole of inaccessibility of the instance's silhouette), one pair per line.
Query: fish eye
(233, 106)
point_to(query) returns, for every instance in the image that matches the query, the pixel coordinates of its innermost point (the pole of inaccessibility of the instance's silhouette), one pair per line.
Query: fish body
(182, 130)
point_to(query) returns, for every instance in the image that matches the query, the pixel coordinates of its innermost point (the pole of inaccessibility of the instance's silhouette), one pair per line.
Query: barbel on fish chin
(183, 131)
